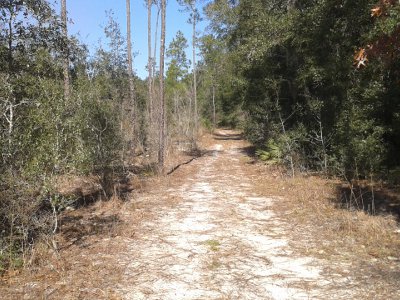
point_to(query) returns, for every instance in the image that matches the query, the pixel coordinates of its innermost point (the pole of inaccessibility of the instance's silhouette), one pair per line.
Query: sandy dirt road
(221, 241)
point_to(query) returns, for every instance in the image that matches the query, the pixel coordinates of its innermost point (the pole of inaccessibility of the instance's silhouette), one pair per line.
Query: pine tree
(130, 68)
(163, 119)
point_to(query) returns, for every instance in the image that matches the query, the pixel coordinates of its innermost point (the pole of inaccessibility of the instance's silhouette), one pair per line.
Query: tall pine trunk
(150, 64)
(163, 120)
(66, 54)
(196, 126)
(155, 48)
(130, 69)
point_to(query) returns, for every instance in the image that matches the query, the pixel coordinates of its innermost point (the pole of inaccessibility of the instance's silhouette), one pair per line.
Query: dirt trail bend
(221, 240)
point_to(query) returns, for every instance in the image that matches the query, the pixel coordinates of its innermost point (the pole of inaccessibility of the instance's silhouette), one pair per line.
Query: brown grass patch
(78, 260)
(311, 202)
(363, 246)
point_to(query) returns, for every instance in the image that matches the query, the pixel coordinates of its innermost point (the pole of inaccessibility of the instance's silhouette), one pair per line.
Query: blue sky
(88, 17)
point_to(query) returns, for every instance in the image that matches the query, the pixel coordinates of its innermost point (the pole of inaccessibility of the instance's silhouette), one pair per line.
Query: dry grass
(359, 246)
(311, 201)
(83, 250)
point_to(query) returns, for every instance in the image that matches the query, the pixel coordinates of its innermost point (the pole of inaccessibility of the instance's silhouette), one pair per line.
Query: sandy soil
(222, 241)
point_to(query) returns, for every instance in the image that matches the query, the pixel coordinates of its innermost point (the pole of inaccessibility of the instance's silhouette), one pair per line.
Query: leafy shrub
(272, 154)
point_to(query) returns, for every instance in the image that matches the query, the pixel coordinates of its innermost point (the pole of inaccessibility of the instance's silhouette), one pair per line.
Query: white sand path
(221, 241)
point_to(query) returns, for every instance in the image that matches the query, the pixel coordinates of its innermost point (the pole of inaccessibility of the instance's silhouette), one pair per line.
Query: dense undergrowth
(43, 134)
(308, 101)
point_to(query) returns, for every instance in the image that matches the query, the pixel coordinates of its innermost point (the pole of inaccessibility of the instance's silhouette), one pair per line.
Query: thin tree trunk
(213, 104)
(149, 66)
(155, 46)
(66, 55)
(10, 120)
(156, 114)
(194, 73)
(163, 121)
(11, 103)
(10, 40)
(289, 147)
(322, 140)
(122, 129)
(130, 68)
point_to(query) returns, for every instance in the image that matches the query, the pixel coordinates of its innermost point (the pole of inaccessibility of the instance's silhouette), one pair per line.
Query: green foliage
(360, 146)
(291, 72)
(178, 64)
(272, 154)
(42, 134)
(207, 124)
